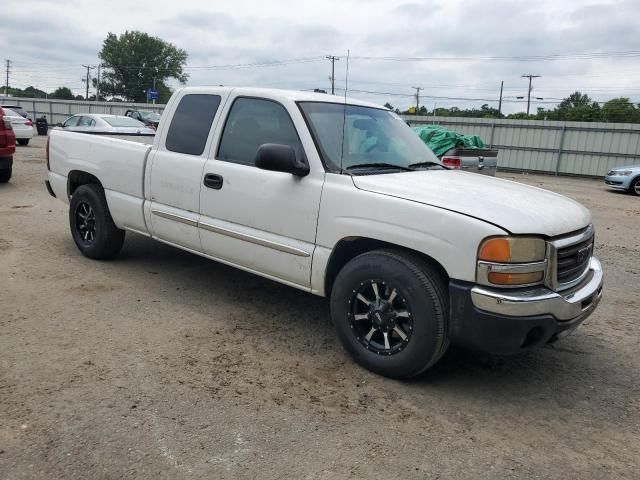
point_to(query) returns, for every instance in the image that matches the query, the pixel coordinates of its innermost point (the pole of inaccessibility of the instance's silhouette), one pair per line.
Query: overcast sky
(49, 40)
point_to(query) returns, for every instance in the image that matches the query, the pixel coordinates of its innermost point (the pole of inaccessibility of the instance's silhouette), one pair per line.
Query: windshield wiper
(424, 164)
(378, 165)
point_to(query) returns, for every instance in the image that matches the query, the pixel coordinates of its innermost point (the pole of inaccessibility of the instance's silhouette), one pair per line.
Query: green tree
(620, 110)
(134, 61)
(577, 107)
(576, 99)
(33, 92)
(62, 93)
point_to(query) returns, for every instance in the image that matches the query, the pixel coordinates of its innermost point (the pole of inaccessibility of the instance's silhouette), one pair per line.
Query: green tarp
(439, 139)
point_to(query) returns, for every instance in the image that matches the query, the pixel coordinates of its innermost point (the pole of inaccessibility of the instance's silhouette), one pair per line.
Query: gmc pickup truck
(341, 199)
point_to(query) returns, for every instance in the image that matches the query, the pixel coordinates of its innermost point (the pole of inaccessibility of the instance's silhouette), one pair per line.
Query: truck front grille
(573, 260)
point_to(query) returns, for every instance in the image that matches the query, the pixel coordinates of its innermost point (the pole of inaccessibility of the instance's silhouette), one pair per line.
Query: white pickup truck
(340, 199)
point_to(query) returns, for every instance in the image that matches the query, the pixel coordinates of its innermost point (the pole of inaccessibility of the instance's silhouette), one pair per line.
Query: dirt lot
(161, 364)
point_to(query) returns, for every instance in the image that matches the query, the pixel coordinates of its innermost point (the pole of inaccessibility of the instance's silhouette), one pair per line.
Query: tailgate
(477, 160)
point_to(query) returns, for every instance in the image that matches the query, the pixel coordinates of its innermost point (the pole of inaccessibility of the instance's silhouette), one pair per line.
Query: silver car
(107, 124)
(624, 178)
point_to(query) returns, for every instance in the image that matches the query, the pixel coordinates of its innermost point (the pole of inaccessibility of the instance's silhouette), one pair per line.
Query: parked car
(458, 151)
(150, 119)
(7, 147)
(22, 127)
(624, 178)
(103, 123)
(299, 187)
(18, 109)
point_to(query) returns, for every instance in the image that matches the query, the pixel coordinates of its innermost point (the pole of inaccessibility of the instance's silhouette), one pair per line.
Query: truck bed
(119, 163)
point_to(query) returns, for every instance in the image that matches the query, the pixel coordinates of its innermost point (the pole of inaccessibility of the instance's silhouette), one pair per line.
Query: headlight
(623, 173)
(511, 261)
(512, 249)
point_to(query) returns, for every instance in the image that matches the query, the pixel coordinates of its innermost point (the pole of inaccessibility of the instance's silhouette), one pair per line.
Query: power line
(442, 97)
(551, 56)
(516, 58)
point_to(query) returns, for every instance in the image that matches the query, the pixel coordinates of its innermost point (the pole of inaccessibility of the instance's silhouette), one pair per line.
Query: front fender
(450, 238)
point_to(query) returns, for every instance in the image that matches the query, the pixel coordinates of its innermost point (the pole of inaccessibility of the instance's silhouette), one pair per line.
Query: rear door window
(191, 123)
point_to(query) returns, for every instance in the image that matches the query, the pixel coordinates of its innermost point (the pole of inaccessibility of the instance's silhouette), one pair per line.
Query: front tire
(92, 227)
(390, 310)
(634, 188)
(23, 141)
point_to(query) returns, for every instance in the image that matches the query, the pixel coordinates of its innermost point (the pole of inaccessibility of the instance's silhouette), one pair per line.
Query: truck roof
(276, 93)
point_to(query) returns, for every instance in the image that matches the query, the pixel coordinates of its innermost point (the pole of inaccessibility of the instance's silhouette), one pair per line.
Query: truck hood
(515, 207)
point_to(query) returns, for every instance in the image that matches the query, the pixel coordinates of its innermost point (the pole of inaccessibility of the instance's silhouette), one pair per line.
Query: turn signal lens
(495, 250)
(512, 250)
(499, 278)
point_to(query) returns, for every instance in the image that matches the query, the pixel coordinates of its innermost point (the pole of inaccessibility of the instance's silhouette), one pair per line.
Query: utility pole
(530, 77)
(333, 59)
(88, 67)
(417, 98)
(98, 84)
(500, 102)
(6, 85)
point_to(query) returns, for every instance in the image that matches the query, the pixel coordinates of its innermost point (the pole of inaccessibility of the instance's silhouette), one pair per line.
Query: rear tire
(92, 227)
(634, 188)
(402, 331)
(5, 175)
(23, 141)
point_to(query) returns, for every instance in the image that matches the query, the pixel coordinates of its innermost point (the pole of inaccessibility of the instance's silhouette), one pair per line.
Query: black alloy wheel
(380, 318)
(86, 222)
(92, 228)
(390, 310)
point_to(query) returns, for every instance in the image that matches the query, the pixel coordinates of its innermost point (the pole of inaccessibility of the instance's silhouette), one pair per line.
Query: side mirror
(280, 158)
(58, 125)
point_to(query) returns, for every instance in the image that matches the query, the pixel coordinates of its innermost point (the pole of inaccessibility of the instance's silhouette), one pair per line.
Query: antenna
(344, 111)
(346, 80)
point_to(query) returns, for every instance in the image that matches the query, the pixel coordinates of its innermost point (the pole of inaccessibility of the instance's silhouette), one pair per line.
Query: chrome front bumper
(577, 302)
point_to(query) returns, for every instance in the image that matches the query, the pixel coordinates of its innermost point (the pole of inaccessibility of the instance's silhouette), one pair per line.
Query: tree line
(577, 107)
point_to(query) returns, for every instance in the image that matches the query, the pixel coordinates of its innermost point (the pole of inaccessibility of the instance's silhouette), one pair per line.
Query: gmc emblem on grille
(583, 254)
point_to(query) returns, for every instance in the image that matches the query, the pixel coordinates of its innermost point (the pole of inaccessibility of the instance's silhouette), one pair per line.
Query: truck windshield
(372, 137)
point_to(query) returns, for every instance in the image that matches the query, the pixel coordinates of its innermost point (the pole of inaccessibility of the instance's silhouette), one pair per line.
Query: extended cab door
(263, 221)
(176, 167)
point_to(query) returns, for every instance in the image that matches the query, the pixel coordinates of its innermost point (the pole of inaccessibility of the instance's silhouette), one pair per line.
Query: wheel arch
(350, 247)
(77, 178)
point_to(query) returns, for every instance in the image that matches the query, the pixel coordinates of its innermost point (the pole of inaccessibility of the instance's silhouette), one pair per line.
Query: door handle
(211, 180)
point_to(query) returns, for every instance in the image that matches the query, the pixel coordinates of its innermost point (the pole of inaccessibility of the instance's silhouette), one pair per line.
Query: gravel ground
(161, 364)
